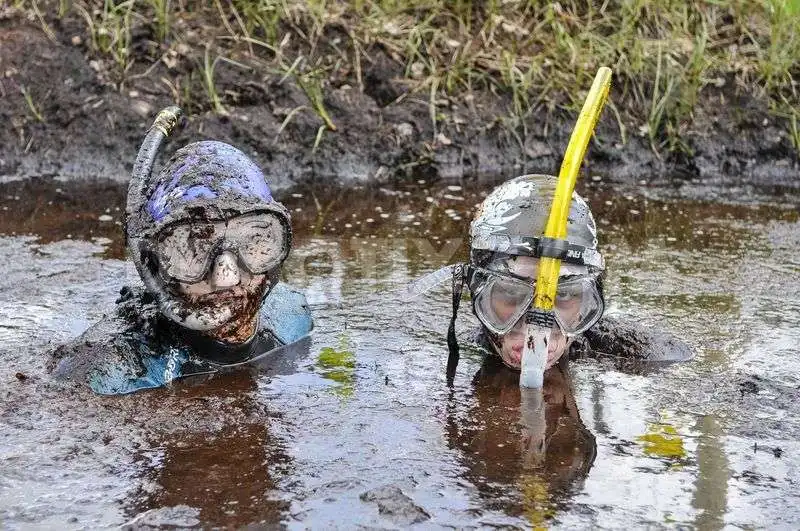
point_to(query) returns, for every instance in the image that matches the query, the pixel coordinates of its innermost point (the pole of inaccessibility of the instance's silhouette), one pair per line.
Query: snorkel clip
(554, 248)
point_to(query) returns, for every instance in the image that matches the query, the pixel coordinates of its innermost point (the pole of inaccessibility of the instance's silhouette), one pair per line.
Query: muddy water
(362, 430)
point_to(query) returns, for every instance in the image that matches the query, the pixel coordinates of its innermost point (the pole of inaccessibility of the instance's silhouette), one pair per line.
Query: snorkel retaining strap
(553, 248)
(452, 341)
(542, 318)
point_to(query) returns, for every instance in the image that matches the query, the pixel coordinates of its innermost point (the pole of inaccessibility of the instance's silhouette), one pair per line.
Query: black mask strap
(452, 342)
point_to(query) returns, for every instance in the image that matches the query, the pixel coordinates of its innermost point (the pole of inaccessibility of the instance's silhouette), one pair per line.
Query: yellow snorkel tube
(540, 319)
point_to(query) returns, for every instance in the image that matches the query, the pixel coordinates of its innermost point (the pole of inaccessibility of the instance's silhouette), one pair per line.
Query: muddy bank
(65, 115)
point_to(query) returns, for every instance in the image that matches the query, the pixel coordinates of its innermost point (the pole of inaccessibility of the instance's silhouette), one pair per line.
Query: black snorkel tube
(162, 127)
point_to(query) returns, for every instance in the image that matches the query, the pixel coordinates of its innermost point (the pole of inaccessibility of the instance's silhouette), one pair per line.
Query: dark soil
(91, 127)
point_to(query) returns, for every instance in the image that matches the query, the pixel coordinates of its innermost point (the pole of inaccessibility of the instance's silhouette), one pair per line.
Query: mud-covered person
(533, 438)
(208, 241)
(501, 275)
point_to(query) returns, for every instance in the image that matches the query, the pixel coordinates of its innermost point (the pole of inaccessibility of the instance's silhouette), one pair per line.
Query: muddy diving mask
(185, 251)
(500, 300)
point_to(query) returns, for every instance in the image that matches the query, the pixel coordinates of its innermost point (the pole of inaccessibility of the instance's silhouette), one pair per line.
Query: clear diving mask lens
(185, 250)
(500, 300)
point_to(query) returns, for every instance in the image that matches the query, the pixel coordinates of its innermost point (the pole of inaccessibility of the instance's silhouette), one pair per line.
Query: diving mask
(501, 299)
(186, 251)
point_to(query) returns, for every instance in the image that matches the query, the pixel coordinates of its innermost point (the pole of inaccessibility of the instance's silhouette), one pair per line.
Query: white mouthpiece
(534, 356)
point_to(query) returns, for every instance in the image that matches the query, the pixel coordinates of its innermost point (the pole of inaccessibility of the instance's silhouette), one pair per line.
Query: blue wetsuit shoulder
(285, 313)
(115, 357)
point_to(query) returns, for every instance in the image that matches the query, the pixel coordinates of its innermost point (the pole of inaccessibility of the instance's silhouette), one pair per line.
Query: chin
(206, 320)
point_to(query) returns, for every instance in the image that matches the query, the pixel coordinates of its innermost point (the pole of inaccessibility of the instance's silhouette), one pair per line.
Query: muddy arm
(624, 338)
(110, 358)
(96, 347)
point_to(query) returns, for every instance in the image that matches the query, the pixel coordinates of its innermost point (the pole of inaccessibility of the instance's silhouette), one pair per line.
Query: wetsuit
(138, 348)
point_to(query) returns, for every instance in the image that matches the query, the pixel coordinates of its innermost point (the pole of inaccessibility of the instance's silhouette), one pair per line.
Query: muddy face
(217, 272)
(228, 296)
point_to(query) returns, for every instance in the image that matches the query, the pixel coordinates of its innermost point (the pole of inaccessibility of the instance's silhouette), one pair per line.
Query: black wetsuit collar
(222, 353)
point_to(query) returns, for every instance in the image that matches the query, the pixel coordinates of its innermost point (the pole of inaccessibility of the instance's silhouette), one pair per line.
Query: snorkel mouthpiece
(539, 325)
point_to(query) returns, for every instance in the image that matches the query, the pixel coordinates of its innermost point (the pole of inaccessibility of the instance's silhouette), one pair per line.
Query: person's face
(228, 289)
(226, 298)
(512, 343)
(226, 280)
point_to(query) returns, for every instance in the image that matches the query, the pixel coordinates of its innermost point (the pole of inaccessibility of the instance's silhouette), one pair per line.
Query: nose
(225, 273)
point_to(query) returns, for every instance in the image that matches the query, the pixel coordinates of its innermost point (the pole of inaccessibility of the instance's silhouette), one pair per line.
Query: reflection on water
(711, 486)
(364, 429)
(526, 450)
(338, 364)
(662, 440)
(227, 476)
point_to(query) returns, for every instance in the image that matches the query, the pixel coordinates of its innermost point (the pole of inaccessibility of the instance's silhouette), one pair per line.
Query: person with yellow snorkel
(504, 262)
(502, 274)
(535, 273)
(535, 277)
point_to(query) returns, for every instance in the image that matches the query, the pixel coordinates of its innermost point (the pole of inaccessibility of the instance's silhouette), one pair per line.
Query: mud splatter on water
(365, 427)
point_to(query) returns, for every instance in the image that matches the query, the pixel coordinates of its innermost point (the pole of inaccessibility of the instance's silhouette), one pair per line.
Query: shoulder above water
(286, 314)
(119, 356)
(624, 338)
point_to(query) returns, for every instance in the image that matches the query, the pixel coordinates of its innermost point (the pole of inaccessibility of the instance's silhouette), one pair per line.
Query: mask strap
(452, 342)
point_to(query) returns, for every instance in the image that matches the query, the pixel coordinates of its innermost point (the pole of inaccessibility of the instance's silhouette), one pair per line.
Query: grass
(794, 132)
(34, 110)
(539, 57)
(311, 83)
(109, 29)
(163, 14)
(45, 26)
(208, 81)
